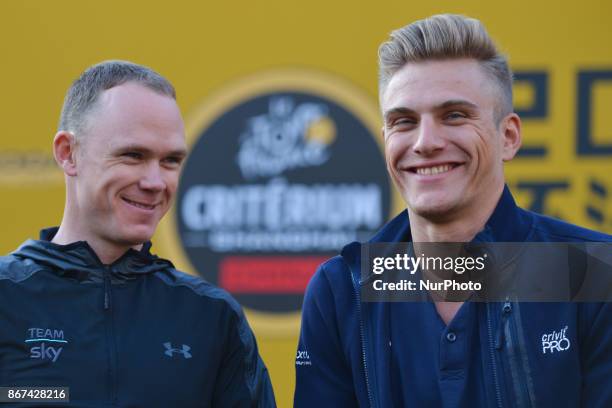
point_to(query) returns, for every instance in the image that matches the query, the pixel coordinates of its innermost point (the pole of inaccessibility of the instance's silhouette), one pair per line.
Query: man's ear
(64, 150)
(511, 134)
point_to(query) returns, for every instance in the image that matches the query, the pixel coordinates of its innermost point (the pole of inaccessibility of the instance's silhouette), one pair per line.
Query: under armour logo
(184, 350)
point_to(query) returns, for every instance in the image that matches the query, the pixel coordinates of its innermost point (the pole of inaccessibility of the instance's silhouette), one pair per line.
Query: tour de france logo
(284, 170)
(286, 137)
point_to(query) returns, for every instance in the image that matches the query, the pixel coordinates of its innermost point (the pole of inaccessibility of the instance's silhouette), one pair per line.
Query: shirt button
(451, 337)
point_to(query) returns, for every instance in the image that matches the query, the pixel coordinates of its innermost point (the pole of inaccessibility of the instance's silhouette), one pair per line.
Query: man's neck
(106, 251)
(461, 227)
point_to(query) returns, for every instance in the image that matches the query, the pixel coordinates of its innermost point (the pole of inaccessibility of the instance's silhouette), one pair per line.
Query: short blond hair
(441, 37)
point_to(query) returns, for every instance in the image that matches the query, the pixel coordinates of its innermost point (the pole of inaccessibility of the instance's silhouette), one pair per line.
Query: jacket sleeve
(323, 377)
(597, 360)
(243, 379)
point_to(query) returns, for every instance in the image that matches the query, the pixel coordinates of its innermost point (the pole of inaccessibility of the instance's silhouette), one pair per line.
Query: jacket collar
(507, 223)
(79, 261)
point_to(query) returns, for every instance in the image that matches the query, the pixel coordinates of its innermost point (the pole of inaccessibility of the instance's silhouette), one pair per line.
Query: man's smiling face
(128, 164)
(443, 146)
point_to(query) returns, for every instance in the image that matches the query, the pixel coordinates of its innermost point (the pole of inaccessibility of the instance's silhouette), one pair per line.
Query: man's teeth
(428, 171)
(135, 204)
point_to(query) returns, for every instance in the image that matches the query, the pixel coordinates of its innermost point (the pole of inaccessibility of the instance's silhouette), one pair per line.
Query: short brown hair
(86, 89)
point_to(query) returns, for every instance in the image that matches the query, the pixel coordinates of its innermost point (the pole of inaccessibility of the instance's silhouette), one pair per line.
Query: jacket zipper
(363, 340)
(519, 374)
(506, 310)
(107, 298)
(492, 351)
(109, 335)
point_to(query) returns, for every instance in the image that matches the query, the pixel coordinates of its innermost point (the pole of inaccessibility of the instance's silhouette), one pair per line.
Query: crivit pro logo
(555, 341)
(47, 344)
(284, 170)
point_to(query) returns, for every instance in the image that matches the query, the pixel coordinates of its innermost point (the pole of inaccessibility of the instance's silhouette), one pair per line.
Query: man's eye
(173, 160)
(456, 115)
(403, 122)
(132, 155)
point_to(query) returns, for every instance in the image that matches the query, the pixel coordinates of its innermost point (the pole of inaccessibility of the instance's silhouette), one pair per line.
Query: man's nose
(153, 179)
(429, 139)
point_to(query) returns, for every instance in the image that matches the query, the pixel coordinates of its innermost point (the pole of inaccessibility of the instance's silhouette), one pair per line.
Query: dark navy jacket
(343, 357)
(136, 333)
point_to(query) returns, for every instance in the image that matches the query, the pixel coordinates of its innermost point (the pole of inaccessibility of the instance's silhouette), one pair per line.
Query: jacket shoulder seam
(25, 271)
(196, 284)
(566, 236)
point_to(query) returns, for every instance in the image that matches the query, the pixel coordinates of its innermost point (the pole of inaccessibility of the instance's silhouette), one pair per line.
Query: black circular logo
(277, 181)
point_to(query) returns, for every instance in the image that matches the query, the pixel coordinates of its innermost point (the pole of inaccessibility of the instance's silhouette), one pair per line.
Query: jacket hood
(79, 261)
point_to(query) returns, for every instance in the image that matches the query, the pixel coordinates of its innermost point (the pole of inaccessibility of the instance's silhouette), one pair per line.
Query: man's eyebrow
(145, 150)
(456, 102)
(132, 147)
(400, 110)
(178, 153)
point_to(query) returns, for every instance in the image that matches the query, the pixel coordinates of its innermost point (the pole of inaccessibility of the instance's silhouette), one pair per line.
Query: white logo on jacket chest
(555, 341)
(46, 344)
(302, 358)
(185, 350)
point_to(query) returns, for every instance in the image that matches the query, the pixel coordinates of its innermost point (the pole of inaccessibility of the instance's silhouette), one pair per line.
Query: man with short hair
(88, 306)
(446, 98)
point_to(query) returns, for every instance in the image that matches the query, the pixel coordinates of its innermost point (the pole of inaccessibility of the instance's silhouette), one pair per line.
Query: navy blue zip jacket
(343, 357)
(136, 333)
